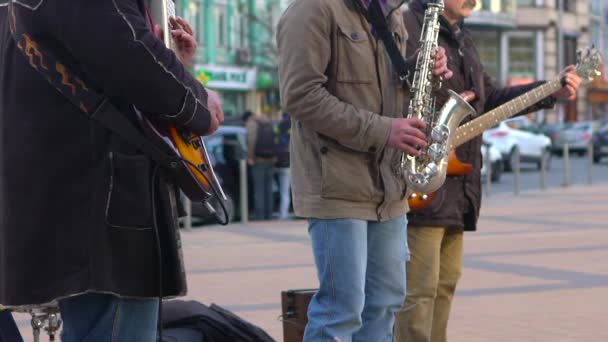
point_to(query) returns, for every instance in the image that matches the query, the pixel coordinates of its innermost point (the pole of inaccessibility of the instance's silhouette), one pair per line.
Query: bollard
(488, 162)
(590, 163)
(243, 193)
(566, 165)
(516, 171)
(543, 172)
(188, 208)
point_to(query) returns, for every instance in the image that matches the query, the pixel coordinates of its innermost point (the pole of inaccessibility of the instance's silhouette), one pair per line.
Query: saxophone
(427, 172)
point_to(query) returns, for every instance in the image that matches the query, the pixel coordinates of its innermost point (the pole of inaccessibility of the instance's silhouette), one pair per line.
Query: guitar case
(294, 305)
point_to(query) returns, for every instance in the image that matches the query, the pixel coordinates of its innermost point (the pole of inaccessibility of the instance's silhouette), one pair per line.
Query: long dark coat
(457, 202)
(76, 203)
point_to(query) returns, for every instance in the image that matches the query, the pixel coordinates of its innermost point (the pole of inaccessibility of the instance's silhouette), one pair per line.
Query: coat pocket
(355, 56)
(346, 173)
(129, 204)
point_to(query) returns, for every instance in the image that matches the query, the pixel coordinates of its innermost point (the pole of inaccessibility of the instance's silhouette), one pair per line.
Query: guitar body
(418, 201)
(196, 180)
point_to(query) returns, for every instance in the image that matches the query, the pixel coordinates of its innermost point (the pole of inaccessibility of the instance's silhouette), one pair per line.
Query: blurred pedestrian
(283, 171)
(261, 157)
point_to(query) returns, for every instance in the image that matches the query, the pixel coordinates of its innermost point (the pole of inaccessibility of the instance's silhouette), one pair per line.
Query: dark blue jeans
(95, 317)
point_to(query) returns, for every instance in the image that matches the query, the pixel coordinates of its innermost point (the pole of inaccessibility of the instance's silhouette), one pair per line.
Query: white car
(519, 134)
(495, 159)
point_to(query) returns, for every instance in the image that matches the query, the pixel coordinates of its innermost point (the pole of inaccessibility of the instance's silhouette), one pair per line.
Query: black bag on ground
(265, 142)
(190, 321)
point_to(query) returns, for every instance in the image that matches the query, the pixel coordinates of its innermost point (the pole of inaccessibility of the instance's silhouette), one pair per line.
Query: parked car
(600, 143)
(577, 135)
(496, 160)
(551, 130)
(522, 135)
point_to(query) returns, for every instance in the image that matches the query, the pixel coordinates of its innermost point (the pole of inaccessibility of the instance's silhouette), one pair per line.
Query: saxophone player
(435, 233)
(348, 132)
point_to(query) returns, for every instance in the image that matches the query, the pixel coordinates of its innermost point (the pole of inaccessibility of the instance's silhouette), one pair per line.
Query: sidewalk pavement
(535, 271)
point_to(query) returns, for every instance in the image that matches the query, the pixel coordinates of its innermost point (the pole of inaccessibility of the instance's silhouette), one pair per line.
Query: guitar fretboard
(476, 126)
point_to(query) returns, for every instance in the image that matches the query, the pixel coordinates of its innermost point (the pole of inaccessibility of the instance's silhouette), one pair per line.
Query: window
(570, 50)
(193, 14)
(569, 5)
(221, 25)
(487, 43)
(595, 7)
(522, 59)
(526, 3)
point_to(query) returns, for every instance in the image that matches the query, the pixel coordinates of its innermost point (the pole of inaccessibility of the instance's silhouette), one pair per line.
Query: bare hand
(573, 81)
(215, 107)
(407, 135)
(441, 65)
(185, 43)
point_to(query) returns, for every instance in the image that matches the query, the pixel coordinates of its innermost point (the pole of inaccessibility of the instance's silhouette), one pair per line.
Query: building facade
(237, 52)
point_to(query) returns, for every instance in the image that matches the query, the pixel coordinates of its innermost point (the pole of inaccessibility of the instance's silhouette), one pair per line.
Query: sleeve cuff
(378, 134)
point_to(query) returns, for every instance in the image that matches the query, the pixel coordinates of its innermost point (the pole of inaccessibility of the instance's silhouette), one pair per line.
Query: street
(535, 271)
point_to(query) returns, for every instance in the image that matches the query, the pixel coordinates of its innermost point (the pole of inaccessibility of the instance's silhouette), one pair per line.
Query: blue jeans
(94, 317)
(361, 270)
(284, 174)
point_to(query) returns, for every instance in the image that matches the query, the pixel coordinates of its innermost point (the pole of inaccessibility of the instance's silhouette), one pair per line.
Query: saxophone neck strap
(375, 16)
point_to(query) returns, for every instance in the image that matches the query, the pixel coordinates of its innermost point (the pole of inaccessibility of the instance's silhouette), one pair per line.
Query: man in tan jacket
(348, 133)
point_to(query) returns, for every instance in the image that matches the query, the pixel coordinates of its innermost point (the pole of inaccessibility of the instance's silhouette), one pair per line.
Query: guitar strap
(94, 105)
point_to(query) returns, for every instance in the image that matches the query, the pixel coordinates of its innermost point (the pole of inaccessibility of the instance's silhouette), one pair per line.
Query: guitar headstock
(588, 62)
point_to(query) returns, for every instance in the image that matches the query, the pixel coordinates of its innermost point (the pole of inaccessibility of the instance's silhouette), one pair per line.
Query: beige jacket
(338, 84)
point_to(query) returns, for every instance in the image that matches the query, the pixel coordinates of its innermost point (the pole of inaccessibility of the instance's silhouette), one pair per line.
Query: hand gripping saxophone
(426, 173)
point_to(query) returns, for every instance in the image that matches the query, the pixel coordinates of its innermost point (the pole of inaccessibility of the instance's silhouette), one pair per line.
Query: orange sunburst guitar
(586, 68)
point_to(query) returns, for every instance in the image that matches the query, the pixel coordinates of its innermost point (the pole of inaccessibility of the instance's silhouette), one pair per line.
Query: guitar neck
(476, 126)
(161, 11)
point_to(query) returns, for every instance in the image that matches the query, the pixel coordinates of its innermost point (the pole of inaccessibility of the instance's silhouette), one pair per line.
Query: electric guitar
(586, 68)
(195, 177)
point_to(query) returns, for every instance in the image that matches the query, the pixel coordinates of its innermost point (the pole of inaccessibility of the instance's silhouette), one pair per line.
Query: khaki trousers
(432, 274)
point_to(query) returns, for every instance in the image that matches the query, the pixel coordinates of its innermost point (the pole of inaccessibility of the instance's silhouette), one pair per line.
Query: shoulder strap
(376, 17)
(92, 103)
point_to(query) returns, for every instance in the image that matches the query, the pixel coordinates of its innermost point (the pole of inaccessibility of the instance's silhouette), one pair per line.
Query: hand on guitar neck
(184, 42)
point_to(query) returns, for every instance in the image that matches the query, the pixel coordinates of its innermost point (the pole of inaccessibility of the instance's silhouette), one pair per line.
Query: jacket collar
(390, 4)
(419, 6)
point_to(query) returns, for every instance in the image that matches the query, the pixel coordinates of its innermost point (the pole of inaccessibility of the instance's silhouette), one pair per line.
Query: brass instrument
(426, 173)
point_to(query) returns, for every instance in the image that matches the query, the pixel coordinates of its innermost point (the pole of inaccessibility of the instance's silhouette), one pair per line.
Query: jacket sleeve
(497, 96)
(304, 42)
(117, 51)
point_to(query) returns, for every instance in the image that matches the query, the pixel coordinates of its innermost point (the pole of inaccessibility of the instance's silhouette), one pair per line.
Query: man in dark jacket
(435, 232)
(80, 211)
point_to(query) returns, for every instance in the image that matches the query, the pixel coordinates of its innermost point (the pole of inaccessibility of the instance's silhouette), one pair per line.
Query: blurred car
(495, 160)
(226, 147)
(577, 135)
(551, 130)
(522, 135)
(600, 143)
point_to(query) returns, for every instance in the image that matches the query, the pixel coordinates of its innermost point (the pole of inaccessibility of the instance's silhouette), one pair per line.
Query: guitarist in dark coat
(435, 232)
(79, 211)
